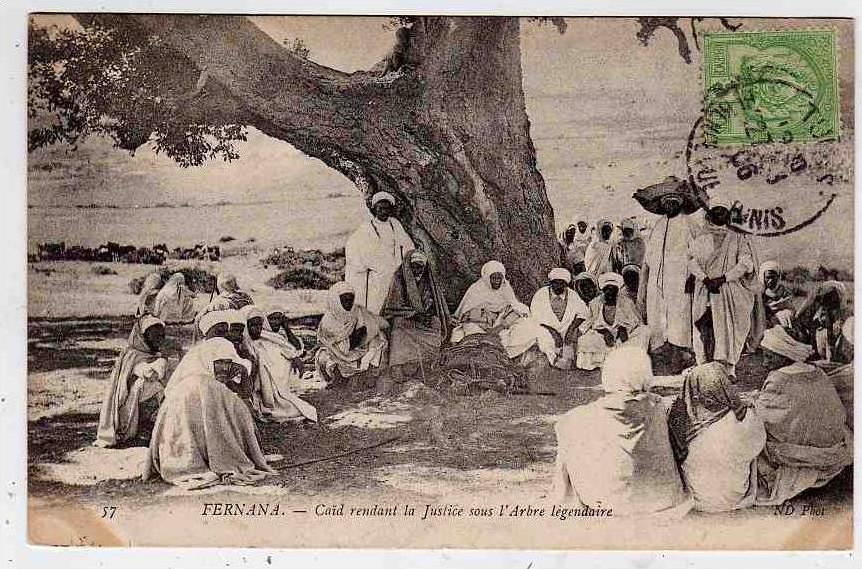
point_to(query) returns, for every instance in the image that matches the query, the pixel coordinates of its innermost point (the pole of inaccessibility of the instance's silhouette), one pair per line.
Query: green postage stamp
(779, 86)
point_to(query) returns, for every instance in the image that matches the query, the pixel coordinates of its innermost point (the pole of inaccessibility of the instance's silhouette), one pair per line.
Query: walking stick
(367, 275)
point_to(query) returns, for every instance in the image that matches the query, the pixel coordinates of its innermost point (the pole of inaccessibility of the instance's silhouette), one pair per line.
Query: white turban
(628, 223)
(234, 317)
(148, 321)
(560, 274)
(250, 311)
(492, 267)
(210, 319)
(382, 196)
(627, 368)
(615, 279)
(777, 340)
(216, 349)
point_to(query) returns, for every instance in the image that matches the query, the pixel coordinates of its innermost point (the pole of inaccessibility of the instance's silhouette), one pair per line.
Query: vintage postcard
(440, 282)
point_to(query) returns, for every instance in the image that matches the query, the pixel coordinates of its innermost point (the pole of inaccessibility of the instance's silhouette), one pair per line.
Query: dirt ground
(432, 444)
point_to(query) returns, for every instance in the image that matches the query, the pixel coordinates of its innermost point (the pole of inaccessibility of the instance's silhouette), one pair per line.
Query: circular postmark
(772, 189)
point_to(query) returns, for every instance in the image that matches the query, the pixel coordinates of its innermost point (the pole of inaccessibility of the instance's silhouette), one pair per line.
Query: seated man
(587, 287)
(417, 314)
(820, 319)
(613, 321)
(137, 378)
(351, 338)
(272, 399)
(716, 439)
(557, 312)
(615, 451)
(205, 434)
(777, 298)
(807, 439)
(276, 322)
(490, 307)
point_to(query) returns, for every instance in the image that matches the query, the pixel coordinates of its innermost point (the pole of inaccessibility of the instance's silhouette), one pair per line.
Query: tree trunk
(448, 134)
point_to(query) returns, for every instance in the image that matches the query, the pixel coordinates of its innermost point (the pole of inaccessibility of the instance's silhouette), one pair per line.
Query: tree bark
(448, 134)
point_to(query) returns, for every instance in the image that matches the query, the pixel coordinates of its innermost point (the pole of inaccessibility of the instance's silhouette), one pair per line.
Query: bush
(103, 270)
(197, 279)
(301, 278)
(307, 268)
(226, 239)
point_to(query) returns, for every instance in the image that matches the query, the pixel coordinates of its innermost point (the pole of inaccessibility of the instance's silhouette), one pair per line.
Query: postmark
(770, 86)
(773, 189)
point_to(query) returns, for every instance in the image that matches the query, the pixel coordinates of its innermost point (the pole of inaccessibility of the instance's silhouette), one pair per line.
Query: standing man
(662, 297)
(374, 252)
(630, 249)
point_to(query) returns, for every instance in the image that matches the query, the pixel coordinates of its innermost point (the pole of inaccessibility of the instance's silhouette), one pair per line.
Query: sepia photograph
(434, 281)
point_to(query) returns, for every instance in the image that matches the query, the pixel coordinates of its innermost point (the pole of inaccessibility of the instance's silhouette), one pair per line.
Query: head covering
(170, 295)
(626, 369)
(152, 281)
(777, 340)
(581, 278)
(482, 294)
(216, 349)
(490, 268)
(234, 317)
(210, 319)
(560, 274)
(418, 256)
(250, 311)
(382, 196)
(147, 321)
(337, 323)
(615, 279)
(226, 282)
(766, 267)
(707, 396)
(628, 223)
(630, 268)
(148, 294)
(602, 222)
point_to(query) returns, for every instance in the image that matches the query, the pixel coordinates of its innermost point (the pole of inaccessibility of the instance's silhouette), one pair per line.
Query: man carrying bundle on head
(374, 252)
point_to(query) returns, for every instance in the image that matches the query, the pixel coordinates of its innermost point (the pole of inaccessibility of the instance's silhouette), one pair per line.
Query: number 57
(108, 512)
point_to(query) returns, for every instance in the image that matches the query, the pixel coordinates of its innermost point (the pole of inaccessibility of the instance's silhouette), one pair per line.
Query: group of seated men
(242, 369)
(709, 448)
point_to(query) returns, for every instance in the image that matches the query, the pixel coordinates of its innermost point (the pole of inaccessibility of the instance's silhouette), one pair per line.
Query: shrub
(103, 270)
(197, 279)
(301, 278)
(226, 239)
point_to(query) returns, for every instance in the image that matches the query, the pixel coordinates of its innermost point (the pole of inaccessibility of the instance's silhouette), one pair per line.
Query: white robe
(373, 254)
(668, 308)
(541, 313)
(272, 398)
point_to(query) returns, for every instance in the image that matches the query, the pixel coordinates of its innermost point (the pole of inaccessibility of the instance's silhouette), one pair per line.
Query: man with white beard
(374, 252)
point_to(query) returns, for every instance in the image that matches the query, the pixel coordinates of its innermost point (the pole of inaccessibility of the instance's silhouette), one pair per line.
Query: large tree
(442, 124)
